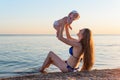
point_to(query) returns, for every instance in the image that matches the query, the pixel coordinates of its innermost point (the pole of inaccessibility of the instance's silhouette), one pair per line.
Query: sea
(24, 54)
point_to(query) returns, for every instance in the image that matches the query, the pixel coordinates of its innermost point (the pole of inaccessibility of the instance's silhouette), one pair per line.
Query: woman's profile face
(80, 33)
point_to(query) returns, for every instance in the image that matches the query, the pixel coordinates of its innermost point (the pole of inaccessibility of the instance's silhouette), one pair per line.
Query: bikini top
(71, 52)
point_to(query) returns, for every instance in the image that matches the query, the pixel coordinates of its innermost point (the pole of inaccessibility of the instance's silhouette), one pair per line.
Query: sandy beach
(104, 74)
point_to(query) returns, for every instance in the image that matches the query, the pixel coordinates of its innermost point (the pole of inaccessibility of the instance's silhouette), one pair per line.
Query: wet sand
(104, 74)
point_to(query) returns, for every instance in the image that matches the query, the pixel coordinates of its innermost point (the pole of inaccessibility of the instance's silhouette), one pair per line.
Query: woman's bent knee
(50, 53)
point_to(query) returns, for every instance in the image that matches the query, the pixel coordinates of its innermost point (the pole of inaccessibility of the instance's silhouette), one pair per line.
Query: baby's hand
(70, 27)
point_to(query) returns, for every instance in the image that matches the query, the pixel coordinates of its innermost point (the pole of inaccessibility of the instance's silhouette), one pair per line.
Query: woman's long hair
(88, 50)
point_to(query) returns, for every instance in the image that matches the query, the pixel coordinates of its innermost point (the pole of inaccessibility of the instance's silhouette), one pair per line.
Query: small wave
(19, 72)
(27, 71)
(3, 61)
(109, 45)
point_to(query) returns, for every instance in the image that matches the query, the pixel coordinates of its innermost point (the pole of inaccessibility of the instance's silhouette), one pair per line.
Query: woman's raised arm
(68, 33)
(65, 40)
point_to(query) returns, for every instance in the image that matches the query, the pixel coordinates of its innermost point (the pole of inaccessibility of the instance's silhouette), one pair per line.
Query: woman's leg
(54, 59)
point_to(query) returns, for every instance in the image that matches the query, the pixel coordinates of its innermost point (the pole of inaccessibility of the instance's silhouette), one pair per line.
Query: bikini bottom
(71, 69)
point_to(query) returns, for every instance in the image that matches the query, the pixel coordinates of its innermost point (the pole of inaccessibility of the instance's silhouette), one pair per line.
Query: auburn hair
(88, 50)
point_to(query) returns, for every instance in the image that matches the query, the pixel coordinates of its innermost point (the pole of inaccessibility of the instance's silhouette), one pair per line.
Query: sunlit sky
(37, 16)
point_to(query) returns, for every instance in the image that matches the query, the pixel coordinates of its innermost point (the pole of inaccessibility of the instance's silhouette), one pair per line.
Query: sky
(38, 16)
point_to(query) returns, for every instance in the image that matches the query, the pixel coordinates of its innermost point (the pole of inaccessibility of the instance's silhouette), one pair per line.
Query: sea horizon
(53, 34)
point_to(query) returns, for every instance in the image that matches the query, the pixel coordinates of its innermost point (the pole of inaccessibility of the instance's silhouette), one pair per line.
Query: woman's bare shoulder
(75, 41)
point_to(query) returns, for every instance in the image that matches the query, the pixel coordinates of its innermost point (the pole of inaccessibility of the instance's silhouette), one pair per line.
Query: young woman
(81, 48)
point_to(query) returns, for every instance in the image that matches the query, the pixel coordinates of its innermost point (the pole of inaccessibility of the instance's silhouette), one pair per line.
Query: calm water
(21, 55)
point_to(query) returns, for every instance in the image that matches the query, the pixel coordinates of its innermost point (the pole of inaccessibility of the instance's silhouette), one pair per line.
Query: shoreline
(102, 74)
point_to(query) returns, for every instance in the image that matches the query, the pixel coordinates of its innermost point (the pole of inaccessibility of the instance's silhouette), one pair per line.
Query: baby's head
(74, 15)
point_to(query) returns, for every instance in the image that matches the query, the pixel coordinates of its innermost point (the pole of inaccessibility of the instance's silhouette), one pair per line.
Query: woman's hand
(60, 32)
(68, 26)
(67, 31)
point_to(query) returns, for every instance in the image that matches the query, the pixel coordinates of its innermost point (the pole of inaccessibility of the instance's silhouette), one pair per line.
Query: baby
(74, 15)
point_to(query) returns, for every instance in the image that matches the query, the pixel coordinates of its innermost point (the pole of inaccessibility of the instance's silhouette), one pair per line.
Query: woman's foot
(42, 71)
